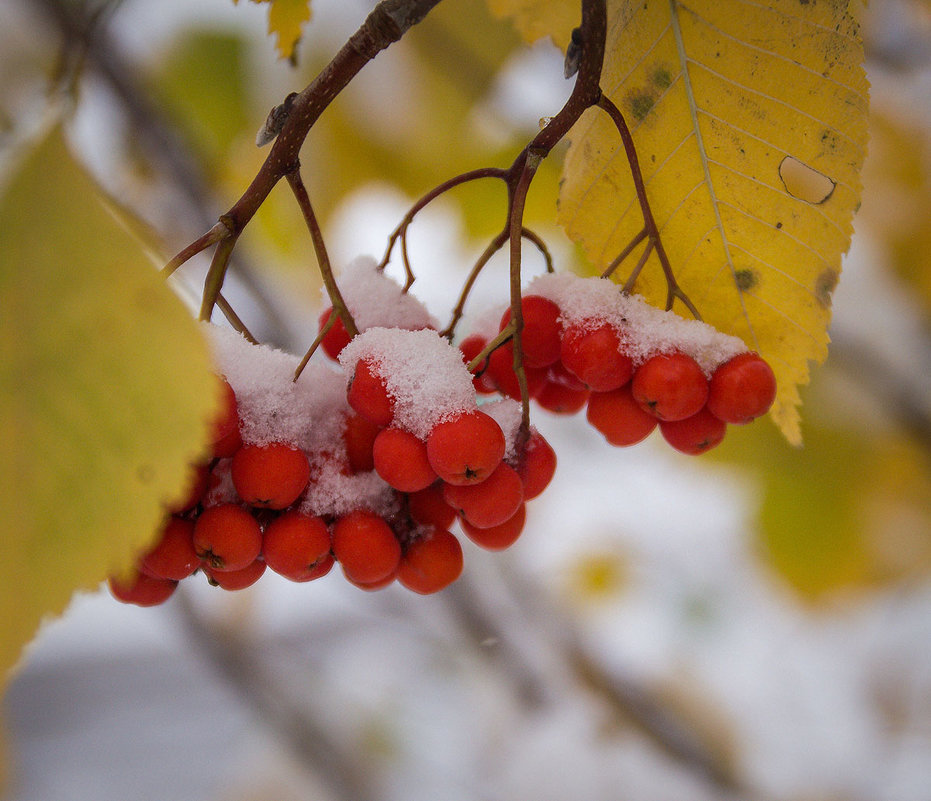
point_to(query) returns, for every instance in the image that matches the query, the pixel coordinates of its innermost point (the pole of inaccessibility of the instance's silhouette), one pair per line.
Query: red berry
(619, 417)
(491, 502)
(270, 476)
(536, 466)
(696, 434)
(236, 579)
(466, 449)
(670, 386)
(497, 538)
(366, 547)
(540, 334)
(373, 586)
(141, 590)
(225, 436)
(428, 508)
(401, 460)
(297, 546)
(501, 373)
(471, 347)
(227, 537)
(431, 563)
(561, 399)
(359, 436)
(557, 373)
(368, 395)
(173, 556)
(594, 356)
(742, 389)
(336, 338)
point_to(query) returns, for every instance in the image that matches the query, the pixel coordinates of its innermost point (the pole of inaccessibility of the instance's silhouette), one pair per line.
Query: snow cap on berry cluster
(423, 373)
(645, 330)
(333, 493)
(374, 299)
(506, 412)
(273, 407)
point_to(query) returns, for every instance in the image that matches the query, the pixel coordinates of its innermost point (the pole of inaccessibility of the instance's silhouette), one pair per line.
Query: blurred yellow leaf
(750, 127)
(897, 201)
(850, 510)
(201, 83)
(105, 393)
(535, 19)
(286, 19)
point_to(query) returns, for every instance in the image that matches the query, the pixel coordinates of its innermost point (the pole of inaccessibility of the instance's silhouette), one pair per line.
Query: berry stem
(401, 230)
(340, 308)
(238, 325)
(493, 247)
(215, 275)
(650, 227)
(219, 231)
(321, 335)
(609, 270)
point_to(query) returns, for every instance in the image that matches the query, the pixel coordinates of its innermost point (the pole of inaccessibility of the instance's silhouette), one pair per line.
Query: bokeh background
(751, 624)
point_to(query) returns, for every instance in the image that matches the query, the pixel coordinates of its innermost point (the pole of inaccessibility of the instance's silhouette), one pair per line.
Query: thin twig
(609, 270)
(401, 230)
(224, 305)
(340, 308)
(214, 235)
(674, 290)
(493, 247)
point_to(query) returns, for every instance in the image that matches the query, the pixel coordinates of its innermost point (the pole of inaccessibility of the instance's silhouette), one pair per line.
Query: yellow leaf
(750, 127)
(286, 18)
(105, 393)
(535, 19)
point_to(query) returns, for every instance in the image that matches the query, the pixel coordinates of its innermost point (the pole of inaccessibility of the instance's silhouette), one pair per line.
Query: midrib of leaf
(702, 154)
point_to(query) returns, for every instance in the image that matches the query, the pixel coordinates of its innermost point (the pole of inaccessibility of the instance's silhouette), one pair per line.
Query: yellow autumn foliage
(105, 393)
(750, 123)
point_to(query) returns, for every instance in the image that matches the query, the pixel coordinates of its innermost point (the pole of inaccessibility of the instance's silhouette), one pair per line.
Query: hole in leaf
(805, 183)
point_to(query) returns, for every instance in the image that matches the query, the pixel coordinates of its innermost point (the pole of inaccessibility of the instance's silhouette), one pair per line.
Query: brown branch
(649, 222)
(386, 24)
(323, 260)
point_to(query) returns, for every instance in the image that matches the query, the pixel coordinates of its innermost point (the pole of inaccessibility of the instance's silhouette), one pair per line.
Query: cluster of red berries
(257, 505)
(629, 380)
(371, 462)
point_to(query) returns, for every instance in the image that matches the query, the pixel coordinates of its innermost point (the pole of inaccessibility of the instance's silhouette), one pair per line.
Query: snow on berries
(370, 458)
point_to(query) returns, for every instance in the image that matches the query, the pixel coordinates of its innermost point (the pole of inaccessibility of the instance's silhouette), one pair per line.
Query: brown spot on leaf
(804, 182)
(825, 285)
(661, 77)
(640, 104)
(746, 279)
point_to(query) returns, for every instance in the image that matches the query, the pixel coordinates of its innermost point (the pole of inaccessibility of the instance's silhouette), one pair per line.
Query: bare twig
(649, 222)
(340, 308)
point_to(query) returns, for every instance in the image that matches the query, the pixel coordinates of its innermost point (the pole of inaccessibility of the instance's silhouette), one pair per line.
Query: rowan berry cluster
(372, 456)
(367, 463)
(631, 366)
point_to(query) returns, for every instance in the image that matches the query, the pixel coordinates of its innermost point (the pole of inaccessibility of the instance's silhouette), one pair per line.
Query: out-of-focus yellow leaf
(596, 576)
(105, 393)
(538, 18)
(286, 19)
(897, 201)
(849, 511)
(201, 83)
(750, 122)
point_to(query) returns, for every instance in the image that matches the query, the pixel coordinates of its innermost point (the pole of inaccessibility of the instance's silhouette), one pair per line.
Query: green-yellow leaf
(286, 19)
(750, 123)
(105, 393)
(535, 19)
